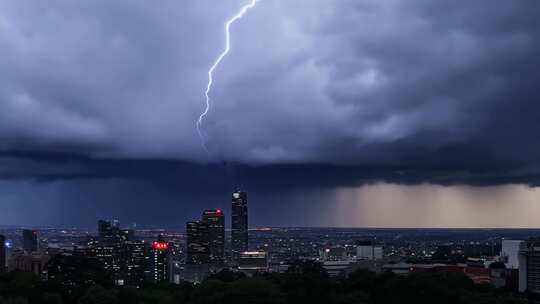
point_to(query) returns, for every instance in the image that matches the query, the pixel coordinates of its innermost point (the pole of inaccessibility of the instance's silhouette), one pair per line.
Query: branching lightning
(239, 15)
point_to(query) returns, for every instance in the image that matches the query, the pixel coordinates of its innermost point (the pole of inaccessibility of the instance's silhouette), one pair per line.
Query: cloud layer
(410, 85)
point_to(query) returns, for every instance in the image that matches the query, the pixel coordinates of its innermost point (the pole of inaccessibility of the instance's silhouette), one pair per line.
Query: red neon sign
(160, 245)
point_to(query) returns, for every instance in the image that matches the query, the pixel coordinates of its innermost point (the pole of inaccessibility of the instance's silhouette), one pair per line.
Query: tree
(226, 275)
(306, 282)
(98, 295)
(51, 298)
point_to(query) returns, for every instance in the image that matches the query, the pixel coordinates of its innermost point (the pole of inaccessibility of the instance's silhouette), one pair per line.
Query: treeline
(304, 282)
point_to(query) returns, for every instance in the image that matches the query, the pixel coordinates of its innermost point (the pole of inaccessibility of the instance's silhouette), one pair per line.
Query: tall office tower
(2, 254)
(110, 232)
(106, 247)
(510, 252)
(215, 223)
(529, 266)
(134, 260)
(117, 250)
(159, 261)
(30, 241)
(198, 251)
(239, 224)
(104, 229)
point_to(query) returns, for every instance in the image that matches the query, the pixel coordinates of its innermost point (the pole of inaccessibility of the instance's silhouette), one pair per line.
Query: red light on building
(218, 210)
(160, 245)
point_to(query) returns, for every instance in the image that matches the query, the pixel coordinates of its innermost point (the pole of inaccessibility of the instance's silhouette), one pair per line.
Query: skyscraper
(30, 241)
(120, 254)
(2, 254)
(198, 251)
(159, 261)
(111, 233)
(239, 223)
(104, 229)
(529, 266)
(133, 260)
(214, 221)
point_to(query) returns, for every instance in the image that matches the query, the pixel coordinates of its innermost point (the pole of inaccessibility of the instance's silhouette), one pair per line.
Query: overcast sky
(327, 106)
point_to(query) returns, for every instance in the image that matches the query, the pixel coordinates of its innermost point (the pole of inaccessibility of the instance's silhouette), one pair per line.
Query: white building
(250, 262)
(368, 251)
(336, 268)
(510, 253)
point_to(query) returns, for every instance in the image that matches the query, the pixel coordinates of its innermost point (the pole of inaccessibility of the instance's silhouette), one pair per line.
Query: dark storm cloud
(43, 189)
(223, 177)
(358, 91)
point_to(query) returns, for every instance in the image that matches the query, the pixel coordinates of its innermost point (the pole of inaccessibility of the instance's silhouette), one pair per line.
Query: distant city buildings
(30, 240)
(71, 270)
(29, 262)
(529, 266)
(334, 253)
(118, 256)
(239, 223)
(251, 262)
(367, 250)
(2, 254)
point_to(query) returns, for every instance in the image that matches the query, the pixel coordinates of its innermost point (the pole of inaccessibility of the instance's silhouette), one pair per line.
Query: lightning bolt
(239, 15)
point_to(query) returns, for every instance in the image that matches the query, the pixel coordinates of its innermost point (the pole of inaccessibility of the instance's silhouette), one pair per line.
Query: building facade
(214, 220)
(510, 252)
(120, 254)
(529, 266)
(30, 240)
(251, 262)
(133, 261)
(366, 250)
(159, 261)
(198, 251)
(29, 262)
(2, 254)
(239, 224)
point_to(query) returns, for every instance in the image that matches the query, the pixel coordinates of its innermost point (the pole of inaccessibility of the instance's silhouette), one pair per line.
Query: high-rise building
(110, 232)
(133, 260)
(71, 271)
(120, 254)
(159, 261)
(529, 266)
(206, 238)
(104, 228)
(214, 221)
(510, 253)
(198, 251)
(2, 254)
(239, 224)
(30, 241)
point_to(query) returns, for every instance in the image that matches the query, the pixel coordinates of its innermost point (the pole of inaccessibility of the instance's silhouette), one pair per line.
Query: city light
(160, 245)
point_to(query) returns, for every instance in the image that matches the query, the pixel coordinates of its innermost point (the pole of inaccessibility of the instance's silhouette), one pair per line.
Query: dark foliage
(227, 275)
(305, 282)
